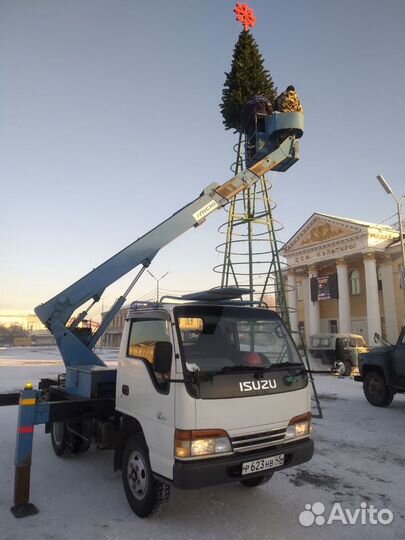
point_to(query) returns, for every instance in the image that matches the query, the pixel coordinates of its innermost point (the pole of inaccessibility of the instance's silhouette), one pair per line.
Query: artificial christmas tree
(247, 78)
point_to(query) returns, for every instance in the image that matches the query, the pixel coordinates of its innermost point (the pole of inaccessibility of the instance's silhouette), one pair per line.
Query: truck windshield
(221, 339)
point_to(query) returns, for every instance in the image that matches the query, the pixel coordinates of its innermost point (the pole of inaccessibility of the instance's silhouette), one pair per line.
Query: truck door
(146, 395)
(399, 356)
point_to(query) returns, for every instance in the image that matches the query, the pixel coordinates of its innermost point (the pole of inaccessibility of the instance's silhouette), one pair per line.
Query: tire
(348, 368)
(376, 390)
(60, 439)
(64, 442)
(146, 495)
(257, 480)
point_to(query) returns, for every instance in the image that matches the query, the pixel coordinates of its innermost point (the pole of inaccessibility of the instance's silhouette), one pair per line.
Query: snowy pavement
(359, 461)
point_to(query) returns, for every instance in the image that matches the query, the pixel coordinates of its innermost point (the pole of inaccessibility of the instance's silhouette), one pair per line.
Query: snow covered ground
(359, 461)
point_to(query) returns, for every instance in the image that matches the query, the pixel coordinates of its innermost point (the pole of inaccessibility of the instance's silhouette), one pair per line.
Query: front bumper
(210, 472)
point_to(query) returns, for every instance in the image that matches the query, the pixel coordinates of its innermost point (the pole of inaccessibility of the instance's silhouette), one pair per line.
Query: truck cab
(382, 371)
(209, 393)
(333, 349)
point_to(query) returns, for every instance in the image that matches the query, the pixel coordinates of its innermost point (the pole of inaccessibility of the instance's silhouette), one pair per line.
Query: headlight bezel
(201, 444)
(299, 427)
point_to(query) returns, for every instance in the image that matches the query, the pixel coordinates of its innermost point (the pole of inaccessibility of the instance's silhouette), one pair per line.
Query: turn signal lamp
(299, 427)
(196, 443)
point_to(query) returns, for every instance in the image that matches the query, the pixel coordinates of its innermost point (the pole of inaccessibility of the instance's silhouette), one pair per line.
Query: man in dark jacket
(256, 107)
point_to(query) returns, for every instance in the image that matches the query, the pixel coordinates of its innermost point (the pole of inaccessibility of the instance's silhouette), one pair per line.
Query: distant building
(33, 324)
(42, 337)
(29, 322)
(345, 276)
(112, 336)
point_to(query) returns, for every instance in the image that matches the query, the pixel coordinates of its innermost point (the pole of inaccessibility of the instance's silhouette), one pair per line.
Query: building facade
(345, 276)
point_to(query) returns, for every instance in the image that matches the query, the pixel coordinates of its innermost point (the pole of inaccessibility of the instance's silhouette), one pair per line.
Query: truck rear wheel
(146, 495)
(64, 442)
(348, 368)
(60, 438)
(257, 480)
(376, 390)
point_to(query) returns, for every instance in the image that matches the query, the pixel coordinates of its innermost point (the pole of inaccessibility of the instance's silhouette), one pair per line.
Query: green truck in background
(382, 371)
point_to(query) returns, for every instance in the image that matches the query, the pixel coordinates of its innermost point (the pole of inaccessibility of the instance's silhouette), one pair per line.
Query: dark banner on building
(324, 288)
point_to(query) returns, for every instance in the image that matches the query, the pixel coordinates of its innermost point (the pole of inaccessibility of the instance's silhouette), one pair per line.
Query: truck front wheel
(376, 390)
(145, 495)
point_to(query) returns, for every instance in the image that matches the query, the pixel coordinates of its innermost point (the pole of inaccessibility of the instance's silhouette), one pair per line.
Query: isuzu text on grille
(248, 386)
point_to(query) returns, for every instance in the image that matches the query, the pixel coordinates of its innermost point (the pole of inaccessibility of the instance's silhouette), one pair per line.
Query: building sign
(320, 253)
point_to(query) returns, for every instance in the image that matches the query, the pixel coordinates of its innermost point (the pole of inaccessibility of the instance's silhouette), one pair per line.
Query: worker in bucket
(288, 101)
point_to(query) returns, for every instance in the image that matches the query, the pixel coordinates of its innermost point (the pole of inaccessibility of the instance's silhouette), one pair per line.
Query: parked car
(333, 349)
(382, 371)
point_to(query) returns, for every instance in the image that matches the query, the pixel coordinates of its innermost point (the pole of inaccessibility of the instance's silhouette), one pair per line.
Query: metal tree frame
(250, 252)
(254, 208)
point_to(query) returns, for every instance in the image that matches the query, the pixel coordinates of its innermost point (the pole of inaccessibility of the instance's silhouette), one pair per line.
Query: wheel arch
(374, 367)
(129, 426)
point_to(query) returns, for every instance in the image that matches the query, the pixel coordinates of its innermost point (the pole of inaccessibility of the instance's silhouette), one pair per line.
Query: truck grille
(256, 441)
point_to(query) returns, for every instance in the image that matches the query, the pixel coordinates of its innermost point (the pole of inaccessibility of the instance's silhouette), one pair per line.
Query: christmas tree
(247, 78)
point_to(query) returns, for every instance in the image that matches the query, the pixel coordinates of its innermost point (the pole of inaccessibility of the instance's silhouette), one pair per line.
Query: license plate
(264, 464)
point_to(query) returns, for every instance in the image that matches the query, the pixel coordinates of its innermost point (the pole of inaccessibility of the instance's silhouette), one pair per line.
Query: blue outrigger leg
(29, 414)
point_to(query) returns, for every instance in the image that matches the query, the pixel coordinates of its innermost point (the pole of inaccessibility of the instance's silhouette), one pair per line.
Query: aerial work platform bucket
(271, 131)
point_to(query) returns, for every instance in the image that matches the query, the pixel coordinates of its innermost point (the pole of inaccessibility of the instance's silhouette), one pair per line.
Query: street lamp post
(157, 283)
(388, 190)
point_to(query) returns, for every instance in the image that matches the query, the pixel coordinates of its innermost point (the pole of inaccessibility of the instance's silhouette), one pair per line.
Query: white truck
(207, 390)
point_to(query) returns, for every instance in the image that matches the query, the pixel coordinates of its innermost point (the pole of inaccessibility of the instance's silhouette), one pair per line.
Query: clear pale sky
(110, 122)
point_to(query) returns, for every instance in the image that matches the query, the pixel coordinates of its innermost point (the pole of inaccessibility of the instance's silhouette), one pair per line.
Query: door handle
(125, 389)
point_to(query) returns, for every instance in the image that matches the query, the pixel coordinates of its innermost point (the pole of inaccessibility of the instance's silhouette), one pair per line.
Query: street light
(157, 283)
(388, 190)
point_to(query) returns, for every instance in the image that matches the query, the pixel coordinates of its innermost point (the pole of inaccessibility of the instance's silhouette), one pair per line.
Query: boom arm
(57, 311)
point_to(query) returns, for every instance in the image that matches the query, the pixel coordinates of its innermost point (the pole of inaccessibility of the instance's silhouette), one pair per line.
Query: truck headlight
(299, 426)
(208, 442)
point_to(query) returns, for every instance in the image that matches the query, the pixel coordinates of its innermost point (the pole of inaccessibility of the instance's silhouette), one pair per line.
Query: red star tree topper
(245, 15)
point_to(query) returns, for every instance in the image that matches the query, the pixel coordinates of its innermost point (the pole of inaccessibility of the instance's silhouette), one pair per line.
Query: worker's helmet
(253, 359)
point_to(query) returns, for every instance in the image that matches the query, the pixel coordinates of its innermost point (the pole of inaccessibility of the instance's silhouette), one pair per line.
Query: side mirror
(162, 357)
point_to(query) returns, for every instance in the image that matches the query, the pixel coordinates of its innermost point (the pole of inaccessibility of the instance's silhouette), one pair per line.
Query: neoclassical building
(345, 276)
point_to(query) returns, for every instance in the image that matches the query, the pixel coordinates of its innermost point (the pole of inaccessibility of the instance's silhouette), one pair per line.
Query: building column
(292, 302)
(305, 297)
(345, 324)
(313, 307)
(390, 312)
(373, 306)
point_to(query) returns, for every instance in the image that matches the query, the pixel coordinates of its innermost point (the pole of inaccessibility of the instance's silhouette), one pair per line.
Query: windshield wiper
(243, 367)
(287, 365)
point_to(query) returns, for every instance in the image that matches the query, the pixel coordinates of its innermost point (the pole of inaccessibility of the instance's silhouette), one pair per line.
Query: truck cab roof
(230, 296)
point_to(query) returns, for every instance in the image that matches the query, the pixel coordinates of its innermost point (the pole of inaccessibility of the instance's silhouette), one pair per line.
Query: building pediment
(325, 238)
(320, 229)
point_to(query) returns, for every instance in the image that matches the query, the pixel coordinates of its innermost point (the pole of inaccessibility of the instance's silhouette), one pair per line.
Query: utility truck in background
(209, 389)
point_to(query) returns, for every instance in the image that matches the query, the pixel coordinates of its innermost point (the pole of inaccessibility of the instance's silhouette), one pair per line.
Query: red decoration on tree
(245, 15)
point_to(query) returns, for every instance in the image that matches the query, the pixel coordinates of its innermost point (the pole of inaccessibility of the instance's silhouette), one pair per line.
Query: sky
(110, 122)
